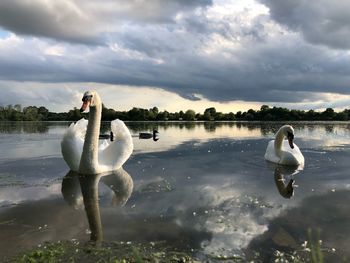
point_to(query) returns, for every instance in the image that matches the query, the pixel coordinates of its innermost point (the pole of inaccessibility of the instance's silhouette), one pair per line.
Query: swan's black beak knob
(290, 138)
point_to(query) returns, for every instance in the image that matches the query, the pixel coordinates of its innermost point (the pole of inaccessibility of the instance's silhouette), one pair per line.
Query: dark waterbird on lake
(142, 135)
(148, 135)
(109, 136)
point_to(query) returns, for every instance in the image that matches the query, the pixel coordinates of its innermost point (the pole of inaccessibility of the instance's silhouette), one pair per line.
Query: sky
(176, 54)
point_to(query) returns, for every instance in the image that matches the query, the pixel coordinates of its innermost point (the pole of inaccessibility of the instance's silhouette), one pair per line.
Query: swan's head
(90, 99)
(289, 133)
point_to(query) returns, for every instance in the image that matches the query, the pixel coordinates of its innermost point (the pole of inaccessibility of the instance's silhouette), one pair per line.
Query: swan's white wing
(292, 156)
(103, 145)
(114, 155)
(72, 143)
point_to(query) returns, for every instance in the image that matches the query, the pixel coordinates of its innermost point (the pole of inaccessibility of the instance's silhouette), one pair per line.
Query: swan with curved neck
(80, 144)
(282, 151)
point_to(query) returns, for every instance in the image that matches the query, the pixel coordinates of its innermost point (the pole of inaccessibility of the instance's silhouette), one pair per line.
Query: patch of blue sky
(4, 33)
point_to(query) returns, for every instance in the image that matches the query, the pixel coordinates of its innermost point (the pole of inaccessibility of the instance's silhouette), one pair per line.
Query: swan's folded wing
(72, 143)
(114, 155)
(294, 155)
(270, 154)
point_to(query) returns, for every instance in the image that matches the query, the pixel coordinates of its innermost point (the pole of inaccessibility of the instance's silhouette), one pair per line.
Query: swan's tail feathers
(114, 155)
(72, 143)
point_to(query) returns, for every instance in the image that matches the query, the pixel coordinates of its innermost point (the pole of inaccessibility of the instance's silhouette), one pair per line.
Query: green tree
(190, 115)
(328, 114)
(209, 114)
(264, 108)
(30, 113)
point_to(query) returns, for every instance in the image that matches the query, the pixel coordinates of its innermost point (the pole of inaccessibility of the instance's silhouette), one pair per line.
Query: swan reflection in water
(286, 190)
(79, 189)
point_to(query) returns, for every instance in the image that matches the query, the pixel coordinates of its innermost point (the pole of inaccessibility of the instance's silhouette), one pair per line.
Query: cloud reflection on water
(202, 187)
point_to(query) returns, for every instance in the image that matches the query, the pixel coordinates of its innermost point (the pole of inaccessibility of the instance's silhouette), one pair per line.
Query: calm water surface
(204, 188)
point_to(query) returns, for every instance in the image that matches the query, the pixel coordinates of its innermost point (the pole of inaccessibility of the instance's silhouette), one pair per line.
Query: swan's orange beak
(86, 104)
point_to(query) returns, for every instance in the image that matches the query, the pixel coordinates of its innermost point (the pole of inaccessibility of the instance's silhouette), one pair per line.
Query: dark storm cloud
(321, 22)
(80, 21)
(36, 94)
(57, 19)
(275, 72)
(173, 45)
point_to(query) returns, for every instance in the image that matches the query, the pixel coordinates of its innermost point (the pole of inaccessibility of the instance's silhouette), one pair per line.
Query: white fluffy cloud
(321, 22)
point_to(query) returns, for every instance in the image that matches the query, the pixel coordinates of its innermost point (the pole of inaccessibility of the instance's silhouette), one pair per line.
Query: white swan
(80, 144)
(282, 151)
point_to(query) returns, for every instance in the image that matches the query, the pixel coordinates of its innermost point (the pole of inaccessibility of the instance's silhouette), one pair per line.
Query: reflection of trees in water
(187, 125)
(310, 128)
(329, 128)
(190, 125)
(252, 126)
(24, 127)
(210, 126)
(329, 212)
(266, 128)
(136, 127)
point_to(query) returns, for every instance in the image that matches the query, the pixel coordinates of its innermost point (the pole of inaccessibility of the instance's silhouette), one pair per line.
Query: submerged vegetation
(266, 113)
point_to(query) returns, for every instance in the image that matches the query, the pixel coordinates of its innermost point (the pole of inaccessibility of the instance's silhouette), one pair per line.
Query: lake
(203, 188)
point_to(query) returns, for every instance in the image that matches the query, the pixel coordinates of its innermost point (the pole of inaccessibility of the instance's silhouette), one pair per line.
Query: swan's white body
(81, 149)
(279, 150)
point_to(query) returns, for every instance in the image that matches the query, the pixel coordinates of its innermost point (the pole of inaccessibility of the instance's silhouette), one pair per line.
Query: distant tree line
(266, 113)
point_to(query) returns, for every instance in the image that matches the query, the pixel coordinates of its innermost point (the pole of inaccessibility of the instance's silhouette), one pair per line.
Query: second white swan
(80, 144)
(282, 151)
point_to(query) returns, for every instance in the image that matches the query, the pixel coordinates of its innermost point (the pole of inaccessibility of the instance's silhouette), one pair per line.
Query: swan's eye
(290, 135)
(87, 98)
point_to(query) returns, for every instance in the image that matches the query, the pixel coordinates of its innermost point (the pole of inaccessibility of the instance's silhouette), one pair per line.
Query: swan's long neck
(89, 157)
(278, 141)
